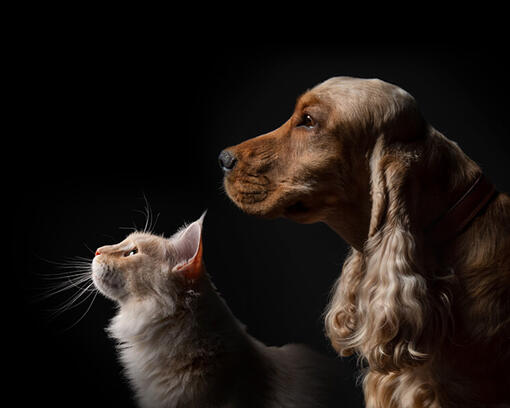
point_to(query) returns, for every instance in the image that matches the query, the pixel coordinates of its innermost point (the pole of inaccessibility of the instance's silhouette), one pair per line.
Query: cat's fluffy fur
(182, 347)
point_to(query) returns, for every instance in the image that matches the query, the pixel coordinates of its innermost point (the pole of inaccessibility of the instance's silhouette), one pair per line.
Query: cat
(180, 344)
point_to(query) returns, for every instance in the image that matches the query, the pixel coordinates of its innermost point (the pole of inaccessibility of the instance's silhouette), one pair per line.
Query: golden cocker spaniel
(424, 295)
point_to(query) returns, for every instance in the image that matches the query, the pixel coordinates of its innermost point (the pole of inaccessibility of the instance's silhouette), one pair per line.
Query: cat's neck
(180, 346)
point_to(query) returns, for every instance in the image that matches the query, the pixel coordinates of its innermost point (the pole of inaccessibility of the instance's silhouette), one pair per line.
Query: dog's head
(317, 163)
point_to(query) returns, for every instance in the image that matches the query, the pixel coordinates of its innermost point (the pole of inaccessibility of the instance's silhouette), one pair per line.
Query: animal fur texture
(430, 322)
(181, 346)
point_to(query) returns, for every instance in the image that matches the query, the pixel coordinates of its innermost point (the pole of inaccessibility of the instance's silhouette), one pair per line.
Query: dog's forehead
(306, 99)
(330, 93)
(357, 87)
(348, 86)
(333, 89)
(348, 92)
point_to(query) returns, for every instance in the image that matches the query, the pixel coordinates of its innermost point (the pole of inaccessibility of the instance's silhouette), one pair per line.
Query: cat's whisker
(67, 281)
(156, 221)
(75, 275)
(80, 259)
(64, 276)
(65, 270)
(148, 215)
(134, 228)
(146, 226)
(86, 311)
(150, 222)
(90, 250)
(79, 266)
(62, 287)
(65, 284)
(70, 271)
(72, 302)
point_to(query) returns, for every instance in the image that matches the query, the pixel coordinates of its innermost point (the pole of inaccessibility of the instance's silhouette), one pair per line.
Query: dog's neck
(460, 214)
(437, 191)
(353, 228)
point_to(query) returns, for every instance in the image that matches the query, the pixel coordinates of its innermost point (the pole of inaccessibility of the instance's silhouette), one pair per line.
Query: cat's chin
(107, 282)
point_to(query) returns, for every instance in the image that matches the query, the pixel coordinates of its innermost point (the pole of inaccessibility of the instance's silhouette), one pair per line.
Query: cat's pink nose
(98, 253)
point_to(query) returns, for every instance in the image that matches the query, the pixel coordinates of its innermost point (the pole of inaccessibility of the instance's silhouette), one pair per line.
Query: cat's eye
(132, 252)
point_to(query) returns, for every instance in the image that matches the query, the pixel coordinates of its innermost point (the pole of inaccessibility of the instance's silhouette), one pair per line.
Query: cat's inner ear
(188, 250)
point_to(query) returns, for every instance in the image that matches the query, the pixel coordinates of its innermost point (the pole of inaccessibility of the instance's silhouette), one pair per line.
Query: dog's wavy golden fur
(432, 323)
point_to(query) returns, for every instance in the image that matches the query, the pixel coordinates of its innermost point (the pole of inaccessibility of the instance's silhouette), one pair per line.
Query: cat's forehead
(141, 237)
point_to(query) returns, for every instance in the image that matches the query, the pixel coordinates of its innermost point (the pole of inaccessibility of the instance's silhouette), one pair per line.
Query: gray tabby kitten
(179, 342)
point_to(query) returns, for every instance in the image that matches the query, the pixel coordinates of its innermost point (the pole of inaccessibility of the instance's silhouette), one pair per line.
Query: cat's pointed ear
(188, 248)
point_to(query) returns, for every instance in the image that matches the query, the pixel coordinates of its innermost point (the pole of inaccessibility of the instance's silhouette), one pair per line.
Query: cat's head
(145, 265)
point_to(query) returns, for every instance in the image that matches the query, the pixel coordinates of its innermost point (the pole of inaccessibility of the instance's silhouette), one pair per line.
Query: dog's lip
(245, 178)
(252, 197)
(247, 190)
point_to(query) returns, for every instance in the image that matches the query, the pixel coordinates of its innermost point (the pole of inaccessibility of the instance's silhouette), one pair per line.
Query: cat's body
(182, 347)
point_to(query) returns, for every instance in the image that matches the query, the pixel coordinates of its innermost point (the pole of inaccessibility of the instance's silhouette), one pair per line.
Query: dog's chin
(262, 208)
(270, 206)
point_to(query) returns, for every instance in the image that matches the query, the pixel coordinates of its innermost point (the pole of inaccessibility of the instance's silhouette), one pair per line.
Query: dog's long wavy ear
(380, 302)
(341, 317)
(393, 299)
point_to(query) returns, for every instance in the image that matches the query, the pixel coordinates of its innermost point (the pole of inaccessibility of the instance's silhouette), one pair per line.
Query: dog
(424, 294)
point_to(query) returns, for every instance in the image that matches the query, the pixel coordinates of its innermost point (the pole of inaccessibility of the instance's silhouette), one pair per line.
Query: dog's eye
(132, 252)
(307, 121)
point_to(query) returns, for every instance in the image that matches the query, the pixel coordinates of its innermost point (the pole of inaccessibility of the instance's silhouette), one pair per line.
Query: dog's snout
(227, 160)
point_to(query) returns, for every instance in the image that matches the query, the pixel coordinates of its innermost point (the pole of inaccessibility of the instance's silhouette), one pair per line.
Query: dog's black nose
(227, 160)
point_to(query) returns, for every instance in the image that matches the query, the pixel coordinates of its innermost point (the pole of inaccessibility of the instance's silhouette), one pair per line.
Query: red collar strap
(458, 216)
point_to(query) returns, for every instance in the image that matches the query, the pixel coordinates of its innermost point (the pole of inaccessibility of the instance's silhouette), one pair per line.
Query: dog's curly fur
(431, 322)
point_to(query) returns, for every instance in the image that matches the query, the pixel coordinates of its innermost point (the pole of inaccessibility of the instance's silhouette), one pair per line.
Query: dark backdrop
(108, 120)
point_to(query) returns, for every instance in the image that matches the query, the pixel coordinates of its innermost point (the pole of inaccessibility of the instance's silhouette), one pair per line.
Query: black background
(103, 121)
